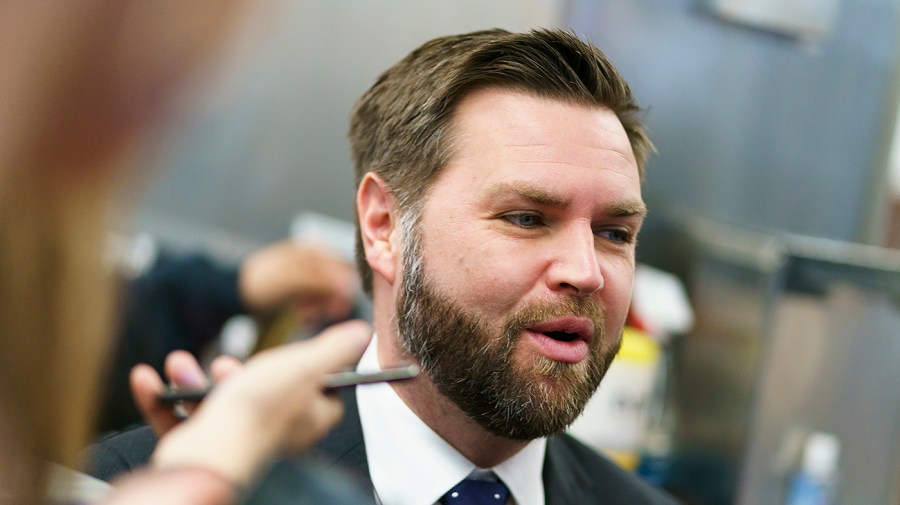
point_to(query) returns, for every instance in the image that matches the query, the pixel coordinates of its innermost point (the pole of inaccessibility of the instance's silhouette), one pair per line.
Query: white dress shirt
(411, 465)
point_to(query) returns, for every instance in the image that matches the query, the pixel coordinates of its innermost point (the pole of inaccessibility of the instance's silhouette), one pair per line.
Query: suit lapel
(564, 481)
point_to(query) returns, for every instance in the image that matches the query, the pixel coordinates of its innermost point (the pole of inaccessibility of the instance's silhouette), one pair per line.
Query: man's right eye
(524, 220)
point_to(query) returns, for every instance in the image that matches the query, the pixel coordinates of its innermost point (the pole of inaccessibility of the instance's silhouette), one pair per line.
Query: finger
(185, 373)
(223, 367)
(337, 347)
(146, 384)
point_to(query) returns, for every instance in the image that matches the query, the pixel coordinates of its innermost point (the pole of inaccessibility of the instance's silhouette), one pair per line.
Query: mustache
(539, 311)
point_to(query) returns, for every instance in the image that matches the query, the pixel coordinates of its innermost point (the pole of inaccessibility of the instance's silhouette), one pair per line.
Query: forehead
(502, 137)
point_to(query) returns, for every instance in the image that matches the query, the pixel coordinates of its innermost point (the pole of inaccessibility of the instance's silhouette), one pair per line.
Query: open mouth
(562, 336)
(564, 339)
(566, 329)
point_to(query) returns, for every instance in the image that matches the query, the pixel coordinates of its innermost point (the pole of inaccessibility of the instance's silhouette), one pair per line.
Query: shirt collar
(411, 465)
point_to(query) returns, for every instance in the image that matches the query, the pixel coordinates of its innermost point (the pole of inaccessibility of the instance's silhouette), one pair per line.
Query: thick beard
(473, 366)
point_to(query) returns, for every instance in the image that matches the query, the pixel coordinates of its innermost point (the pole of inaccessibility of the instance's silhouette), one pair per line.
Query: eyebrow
(540, 196)
(529, 192)
(628, 208)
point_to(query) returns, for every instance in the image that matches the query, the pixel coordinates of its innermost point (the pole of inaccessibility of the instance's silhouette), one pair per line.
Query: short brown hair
(401, 127)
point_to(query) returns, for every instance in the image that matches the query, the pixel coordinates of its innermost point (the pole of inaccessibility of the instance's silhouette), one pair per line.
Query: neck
(473, 441)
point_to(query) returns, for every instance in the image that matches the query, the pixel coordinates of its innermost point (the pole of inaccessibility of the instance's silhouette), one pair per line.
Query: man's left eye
(617, 236)
(524, 220)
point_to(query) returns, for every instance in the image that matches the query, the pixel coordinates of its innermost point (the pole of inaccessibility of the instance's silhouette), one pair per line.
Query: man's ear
(376, 208)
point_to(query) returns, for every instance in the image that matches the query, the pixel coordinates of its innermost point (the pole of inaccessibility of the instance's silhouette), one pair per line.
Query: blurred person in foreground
(498, 203)
(182, 301)
(84, 85)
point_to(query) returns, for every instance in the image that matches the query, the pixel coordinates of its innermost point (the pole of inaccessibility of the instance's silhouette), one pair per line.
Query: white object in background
(894, 164)
(661, 302)
(334, 234)
(131, 257)
(807, 20)
(814, 482)
(820, 455)
(238, 337)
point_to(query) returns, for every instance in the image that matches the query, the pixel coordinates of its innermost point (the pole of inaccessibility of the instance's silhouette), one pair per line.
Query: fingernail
(190, 380)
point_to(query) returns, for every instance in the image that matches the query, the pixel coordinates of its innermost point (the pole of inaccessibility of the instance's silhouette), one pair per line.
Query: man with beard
(498, 204)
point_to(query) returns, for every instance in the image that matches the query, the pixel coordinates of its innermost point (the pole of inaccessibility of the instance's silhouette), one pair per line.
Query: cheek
(616, 292)
(488, 275)
(482, 274)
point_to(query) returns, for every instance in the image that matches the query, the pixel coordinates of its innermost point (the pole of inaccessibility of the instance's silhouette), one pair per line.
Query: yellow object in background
(615, 420)
(638, 347)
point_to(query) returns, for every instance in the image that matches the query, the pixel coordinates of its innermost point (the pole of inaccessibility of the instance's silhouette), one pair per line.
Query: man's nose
(576, 263)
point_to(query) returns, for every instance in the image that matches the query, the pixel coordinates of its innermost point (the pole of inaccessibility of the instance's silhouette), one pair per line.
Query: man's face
(517, 281)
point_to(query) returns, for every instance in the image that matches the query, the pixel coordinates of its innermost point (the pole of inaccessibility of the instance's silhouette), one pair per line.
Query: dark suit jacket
(573, 473)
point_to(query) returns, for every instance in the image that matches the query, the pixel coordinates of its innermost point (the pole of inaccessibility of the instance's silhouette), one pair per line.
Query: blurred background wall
(757, 127)
(270, 140)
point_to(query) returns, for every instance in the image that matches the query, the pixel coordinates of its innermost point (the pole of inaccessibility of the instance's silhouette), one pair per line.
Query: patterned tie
(476, 492)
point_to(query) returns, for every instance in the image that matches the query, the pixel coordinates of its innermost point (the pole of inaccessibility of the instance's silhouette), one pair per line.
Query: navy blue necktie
(476, 492)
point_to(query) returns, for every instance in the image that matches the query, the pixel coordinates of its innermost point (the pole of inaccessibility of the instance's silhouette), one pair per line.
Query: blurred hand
(319, 285)
(273, 404)
(184, 373)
